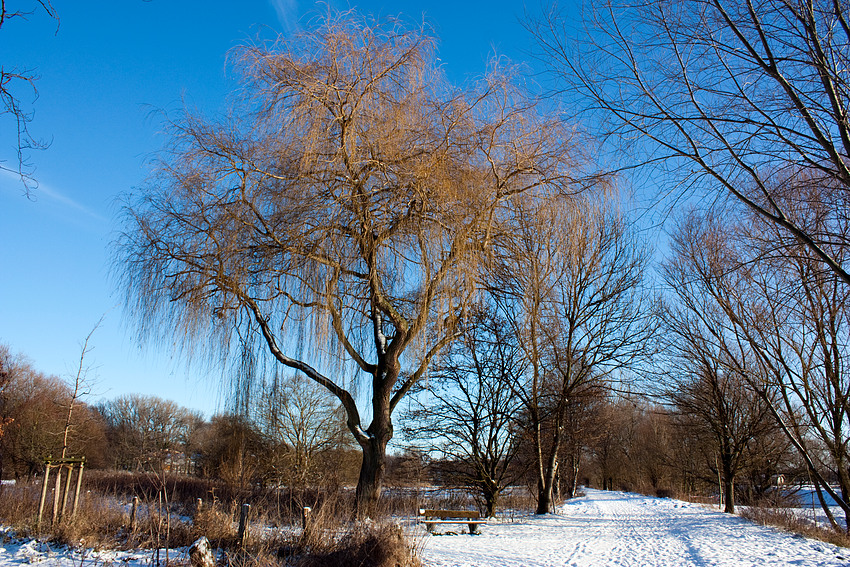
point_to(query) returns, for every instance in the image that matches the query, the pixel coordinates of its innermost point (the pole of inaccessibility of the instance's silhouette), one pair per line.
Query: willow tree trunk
(374, 443)
(371, 478)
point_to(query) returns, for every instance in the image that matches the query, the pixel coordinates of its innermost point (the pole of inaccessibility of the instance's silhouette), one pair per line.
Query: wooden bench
(469, 517)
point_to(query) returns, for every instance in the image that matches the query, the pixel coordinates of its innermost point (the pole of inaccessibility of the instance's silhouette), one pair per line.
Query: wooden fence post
(133, 514)
(306, 524)
(243, 524)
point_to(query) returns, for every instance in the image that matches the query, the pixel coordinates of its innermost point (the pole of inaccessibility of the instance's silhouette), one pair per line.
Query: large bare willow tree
(333, 218)
(735, 98)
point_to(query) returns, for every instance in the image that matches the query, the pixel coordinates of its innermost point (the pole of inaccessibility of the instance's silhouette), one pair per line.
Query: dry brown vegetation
(274, 536)
(366, 546)
(789, 520)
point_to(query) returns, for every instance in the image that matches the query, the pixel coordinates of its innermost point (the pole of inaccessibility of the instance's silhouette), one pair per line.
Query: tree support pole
(56, 493)
(77, 492)
(43, 496)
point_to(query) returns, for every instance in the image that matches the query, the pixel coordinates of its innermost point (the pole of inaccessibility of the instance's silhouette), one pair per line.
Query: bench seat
(469, 517)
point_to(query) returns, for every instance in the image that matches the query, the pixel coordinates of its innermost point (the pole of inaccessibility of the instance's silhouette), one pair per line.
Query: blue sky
(106, 75)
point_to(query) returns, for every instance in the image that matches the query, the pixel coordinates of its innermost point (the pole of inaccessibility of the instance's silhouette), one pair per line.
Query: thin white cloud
(11, 181)
(287, 13)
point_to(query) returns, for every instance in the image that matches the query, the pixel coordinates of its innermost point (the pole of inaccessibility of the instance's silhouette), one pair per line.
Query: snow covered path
(627, 530)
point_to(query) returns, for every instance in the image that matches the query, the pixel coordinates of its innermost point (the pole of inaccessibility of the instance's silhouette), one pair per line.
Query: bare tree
(333, 219)
(81, 386)
(146, 431)
(712, 402)
(805, 341)
(301, 420)
(468, 412)
(12, 80)
(783, 328)
(569, 278)
(739, 97)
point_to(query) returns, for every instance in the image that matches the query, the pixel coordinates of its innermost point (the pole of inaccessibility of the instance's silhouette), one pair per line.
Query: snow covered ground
(601, 529)
(15, 553)
(621, 529)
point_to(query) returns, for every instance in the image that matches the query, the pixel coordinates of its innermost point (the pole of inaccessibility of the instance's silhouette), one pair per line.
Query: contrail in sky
(9, 178)
(287, 13)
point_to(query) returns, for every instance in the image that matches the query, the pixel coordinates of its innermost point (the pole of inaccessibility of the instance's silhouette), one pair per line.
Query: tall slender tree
(469, 414)
(570, 279)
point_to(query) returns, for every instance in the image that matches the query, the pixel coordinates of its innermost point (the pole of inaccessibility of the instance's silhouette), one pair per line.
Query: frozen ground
(601, 529)
(623, 530)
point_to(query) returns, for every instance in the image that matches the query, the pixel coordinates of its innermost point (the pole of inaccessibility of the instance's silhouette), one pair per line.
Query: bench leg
(473, 528)
(429, 527)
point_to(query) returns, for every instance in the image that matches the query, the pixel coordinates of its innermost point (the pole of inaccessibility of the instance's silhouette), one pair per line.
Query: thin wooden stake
(65, 493)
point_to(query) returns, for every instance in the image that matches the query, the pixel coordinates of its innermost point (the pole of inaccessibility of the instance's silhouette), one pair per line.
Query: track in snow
(620, 529)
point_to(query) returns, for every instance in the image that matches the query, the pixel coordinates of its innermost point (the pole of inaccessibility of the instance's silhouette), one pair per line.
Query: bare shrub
(98, 523)
(183, 490)
(103, 521)
(254, 558)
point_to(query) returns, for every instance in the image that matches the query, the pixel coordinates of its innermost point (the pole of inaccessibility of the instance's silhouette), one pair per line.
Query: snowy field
(600, 529)
(623, 530)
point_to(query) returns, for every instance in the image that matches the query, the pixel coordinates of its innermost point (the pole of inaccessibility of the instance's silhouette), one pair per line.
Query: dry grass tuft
(366, 545)
(216, 524)
(18, 506)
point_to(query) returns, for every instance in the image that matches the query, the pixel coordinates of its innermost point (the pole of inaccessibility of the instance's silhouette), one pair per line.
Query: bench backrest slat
(451, 514)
